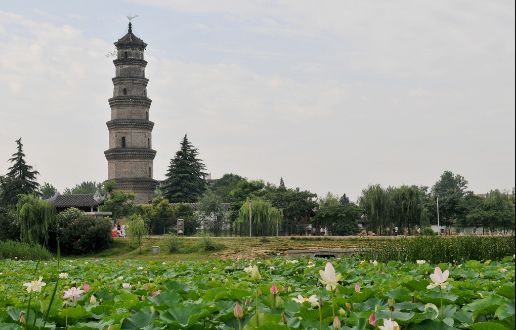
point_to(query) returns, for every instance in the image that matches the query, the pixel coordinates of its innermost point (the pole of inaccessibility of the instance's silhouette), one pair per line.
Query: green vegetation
(137, 230)
(35, 218)
(275, 293)
(185, 178)
(23, 251)
(442, 249)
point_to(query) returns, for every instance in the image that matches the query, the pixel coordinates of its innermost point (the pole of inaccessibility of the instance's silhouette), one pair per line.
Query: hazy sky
(332, 95)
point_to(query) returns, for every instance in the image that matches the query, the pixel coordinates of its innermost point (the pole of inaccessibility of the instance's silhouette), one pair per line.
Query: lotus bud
(274, 289)
(238, 312)
(391, 303)
(93, 300)
(372, 319)
(284, 318)
(342, 312)
(86, 287)
(336, 323)
(22, 318)
(357, 287)
(348, 306)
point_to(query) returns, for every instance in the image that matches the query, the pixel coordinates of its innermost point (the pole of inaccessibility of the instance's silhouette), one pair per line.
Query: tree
(451, 190)
(137, 230)
(212, 213)
(406, 207)
(185, 179)
(263, 218)
(120, 203)
(85, 187)
(20, 178)
(282, 184)
(48, 190)
(375, 204)
(35, 217)
(338, 218)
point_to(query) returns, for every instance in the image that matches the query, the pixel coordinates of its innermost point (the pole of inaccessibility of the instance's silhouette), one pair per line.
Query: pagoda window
(125, 91)
(123, 142)
(125, 55)
(150, 172)
(146, 115)
(148, 142)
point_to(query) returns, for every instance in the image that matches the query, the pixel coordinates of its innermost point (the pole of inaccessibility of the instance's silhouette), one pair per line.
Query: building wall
(133, 112)
(134, 138)
(129, 168)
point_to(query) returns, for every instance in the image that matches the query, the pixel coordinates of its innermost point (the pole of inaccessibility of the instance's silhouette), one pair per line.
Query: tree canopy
(185, 179)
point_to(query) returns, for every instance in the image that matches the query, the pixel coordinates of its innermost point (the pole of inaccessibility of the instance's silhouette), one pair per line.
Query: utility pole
(438, 225)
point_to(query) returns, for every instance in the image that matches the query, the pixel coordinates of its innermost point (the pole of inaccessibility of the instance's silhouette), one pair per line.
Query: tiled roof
(130, 40)
(74, 200)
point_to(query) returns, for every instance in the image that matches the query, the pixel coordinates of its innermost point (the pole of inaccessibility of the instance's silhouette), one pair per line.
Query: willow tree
(406, 206)
(259, 218)
(375, 203)
(35, 217)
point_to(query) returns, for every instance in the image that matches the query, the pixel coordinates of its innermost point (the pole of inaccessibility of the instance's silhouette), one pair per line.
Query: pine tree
(185, 178)
(20, 178)
(282, 184)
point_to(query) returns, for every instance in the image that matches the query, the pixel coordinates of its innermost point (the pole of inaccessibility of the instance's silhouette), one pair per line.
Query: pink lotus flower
(156, 293)
(439, 278)
(274, 289)
(73, 294)
(389, 325)
(357, 287)
(126, 285)
(86, 287)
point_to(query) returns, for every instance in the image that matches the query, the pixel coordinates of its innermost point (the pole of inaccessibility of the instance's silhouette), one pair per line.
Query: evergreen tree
(48, 190)
(185, 176)
(281, 184)
(20, 178)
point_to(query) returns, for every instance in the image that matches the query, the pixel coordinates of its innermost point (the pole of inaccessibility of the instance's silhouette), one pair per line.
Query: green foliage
(442, 249)
(212, 213)
(207, 244)
(174, 243)
(185, 181)
(35, 217)
(85, 187)
(451, 190)
(160, 216)
(137, 230)
(9, 227)
(340, 217)
(120, 203)
(48, 190)
(23, 251)
(261, 215)
(427, 231)
(81, 234)
(202, 295)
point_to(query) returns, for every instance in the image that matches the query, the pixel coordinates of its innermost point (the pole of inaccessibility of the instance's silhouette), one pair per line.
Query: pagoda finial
(130, 18)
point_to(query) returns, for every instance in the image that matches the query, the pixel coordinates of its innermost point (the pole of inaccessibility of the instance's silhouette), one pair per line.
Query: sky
(331, 95)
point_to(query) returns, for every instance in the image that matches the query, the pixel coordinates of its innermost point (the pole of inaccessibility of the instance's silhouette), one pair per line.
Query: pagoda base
(143, 188)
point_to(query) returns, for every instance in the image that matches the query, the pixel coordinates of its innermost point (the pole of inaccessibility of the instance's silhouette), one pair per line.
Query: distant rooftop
(74, 200)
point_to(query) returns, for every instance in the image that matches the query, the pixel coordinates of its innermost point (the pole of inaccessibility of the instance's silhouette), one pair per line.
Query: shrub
(207, 244)
(174, 243)
(25, 251)
(438, 249)
(80, 234)
(427, 231)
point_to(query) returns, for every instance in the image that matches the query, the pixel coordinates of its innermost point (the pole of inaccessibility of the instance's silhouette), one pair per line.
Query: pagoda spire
(130, 30)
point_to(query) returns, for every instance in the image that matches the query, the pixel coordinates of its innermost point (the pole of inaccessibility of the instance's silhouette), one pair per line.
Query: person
(122, 231)
(114, 232)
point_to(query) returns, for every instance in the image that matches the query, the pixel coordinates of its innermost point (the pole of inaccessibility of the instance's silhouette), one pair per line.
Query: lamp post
(250, 219)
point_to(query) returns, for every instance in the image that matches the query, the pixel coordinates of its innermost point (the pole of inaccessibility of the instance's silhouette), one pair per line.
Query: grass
(195, 248)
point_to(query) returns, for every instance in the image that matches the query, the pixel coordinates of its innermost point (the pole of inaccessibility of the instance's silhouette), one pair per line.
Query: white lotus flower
(389, 325)
(73, 293)
(126, 285)
(63, 276)
(329, 277)
(35, 286)
(313, 300)
(439, 278)
(420, 262)
(253, 272)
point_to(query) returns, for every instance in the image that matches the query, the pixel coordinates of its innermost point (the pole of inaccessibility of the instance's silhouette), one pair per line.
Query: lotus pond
(274, 293)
